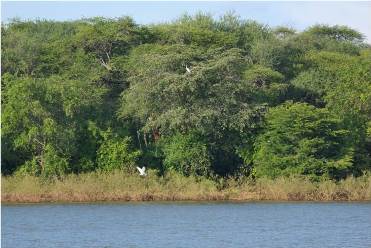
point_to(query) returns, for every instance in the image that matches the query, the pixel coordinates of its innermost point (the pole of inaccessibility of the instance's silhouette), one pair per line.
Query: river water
(204, 225)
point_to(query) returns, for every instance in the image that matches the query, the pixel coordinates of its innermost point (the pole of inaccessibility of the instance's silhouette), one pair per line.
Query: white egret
(188, 70)
(142, 171)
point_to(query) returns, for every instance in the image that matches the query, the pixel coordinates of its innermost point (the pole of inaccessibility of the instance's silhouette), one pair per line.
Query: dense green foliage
(201, 96)
(186, 154)
(302, 139)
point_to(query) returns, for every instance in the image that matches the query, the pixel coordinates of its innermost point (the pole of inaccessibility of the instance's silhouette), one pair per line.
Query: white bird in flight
(142, 171)
(188, 70)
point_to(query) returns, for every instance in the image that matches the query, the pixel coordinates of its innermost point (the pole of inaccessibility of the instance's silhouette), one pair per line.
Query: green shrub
(116, 153)
(49, 164)
(186, 154)
(302, 139)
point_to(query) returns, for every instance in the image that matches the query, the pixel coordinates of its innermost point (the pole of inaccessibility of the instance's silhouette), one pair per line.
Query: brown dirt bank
(120, 186)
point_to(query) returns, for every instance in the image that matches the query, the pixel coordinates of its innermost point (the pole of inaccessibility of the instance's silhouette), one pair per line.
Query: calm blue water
(167, 225)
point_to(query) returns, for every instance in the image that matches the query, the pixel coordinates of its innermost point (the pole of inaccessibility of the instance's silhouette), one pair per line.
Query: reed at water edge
(123, 186)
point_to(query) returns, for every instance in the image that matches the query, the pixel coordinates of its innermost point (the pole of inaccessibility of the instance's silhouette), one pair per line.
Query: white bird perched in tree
(142, 171)
(188, 70)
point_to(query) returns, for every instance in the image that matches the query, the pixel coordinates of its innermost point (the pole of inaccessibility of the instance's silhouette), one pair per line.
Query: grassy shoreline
(121, 186)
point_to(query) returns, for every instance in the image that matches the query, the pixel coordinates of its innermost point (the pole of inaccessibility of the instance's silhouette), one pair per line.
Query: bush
(187, 154)
(50, 164)
(116, 153)
(302, 139)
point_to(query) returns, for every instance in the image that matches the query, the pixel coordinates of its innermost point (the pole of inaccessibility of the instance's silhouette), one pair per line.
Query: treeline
(200, 96)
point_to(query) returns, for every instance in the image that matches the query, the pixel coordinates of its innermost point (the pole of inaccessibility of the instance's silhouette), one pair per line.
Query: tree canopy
(202, 96)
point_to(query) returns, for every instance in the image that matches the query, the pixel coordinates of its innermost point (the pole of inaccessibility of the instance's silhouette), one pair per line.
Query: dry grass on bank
(120, 186)
(302, 189)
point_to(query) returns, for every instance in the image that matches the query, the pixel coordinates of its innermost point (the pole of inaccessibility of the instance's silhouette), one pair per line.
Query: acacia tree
(42, 117)
(342, 82)
(213, 99)
(106, 38)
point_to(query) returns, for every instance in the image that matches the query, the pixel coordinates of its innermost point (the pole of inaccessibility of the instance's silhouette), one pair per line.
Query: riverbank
(121, 186)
